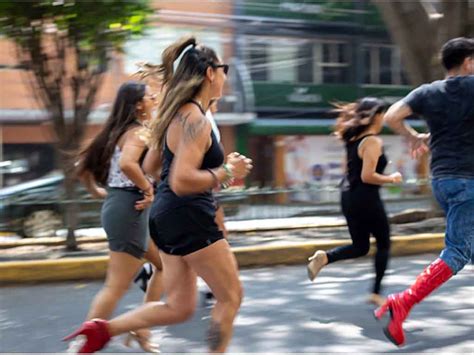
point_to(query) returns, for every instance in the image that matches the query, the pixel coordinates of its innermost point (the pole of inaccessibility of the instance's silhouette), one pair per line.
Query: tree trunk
(416, 35)
(71, 211)
(70, 205)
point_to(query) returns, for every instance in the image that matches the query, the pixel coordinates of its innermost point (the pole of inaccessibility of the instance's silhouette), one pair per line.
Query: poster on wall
(319, 162)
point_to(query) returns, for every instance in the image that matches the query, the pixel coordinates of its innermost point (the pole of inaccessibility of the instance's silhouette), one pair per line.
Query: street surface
(282, 312)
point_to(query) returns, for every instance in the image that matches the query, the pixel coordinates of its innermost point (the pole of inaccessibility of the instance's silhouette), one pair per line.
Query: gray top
(448, 108)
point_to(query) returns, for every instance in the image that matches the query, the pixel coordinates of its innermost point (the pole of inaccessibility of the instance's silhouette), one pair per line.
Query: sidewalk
(255, 243)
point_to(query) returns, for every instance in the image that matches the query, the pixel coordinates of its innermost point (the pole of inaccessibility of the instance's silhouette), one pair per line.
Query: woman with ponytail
(182, 218)
(110, 167)
(357, 126)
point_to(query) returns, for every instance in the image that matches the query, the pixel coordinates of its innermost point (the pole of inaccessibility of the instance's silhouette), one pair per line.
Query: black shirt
(354, 165)
(448, 108)
(167, 199)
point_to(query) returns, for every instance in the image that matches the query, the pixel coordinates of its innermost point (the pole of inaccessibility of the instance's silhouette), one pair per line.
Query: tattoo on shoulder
(214, 336)
(181, 118)
(191, 130)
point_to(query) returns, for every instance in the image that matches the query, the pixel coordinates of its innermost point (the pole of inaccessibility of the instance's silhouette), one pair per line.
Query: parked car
(36, 208)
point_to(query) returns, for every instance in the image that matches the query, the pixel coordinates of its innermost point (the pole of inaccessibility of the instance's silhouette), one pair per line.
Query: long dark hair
(182, 85)
(355, 117)
(95, 158)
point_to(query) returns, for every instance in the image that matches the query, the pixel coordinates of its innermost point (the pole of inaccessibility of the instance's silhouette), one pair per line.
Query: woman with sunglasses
(182, 219)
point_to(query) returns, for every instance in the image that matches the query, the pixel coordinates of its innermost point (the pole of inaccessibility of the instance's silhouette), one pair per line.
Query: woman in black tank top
(182, 217)
(358, 125)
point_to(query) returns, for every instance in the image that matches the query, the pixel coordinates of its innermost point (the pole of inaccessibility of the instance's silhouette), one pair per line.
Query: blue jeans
(456, 197)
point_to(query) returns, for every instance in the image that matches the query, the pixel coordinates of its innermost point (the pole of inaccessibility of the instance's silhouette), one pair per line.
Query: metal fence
(34, 213)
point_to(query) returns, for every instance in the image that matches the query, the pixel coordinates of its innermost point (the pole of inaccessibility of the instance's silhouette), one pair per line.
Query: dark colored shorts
(184, 230)
(126, 228)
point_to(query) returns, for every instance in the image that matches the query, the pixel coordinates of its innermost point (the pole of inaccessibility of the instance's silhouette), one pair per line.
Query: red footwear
(97, 335)
(401, 303)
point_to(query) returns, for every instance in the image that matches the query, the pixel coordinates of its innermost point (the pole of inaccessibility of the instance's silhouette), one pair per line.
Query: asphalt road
(282, 312)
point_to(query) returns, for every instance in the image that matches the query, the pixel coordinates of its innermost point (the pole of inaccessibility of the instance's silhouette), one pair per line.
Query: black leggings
(365, 215)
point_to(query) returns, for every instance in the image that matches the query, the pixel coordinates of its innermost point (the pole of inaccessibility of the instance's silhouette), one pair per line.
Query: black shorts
(184, 230)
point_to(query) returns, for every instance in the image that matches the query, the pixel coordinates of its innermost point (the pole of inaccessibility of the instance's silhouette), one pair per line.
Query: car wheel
(42, 223)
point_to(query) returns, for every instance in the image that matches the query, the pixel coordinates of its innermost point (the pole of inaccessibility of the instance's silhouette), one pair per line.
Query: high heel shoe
(400, 304)
(316, 263)
(97, 335)
(143, 341)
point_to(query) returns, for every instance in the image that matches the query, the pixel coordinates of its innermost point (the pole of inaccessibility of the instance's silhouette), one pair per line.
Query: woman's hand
(239, 165)
(396, 177)
(148, 197)
(99, 192)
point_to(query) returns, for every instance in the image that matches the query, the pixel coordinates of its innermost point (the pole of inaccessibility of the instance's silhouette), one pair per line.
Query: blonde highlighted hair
(182, 85)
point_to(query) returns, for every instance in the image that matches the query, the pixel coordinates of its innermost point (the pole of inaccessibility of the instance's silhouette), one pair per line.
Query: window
(282, 60)
(297, 60)
(335, 62)
(305, 63)
(384, 65)
(256, 53)
(385, 54)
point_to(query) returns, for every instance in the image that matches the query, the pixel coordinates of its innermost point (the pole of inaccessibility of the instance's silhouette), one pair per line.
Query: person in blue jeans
(448, 108)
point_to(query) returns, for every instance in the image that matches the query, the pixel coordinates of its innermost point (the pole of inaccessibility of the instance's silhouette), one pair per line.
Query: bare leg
(216, 264)
(121, 269)
(180, 287)
(154, 292)
(155, 287)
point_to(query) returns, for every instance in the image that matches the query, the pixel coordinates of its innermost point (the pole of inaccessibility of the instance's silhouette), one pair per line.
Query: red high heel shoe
(97, 335)
(400, 304)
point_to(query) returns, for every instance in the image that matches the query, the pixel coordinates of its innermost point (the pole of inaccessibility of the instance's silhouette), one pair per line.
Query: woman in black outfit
(358, 125)
(182, 218)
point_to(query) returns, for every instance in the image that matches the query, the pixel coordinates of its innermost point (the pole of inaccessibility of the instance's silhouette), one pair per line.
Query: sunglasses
(224, 67)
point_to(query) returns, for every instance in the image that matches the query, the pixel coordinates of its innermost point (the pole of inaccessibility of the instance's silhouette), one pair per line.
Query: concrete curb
(50, 241)
(232, 227)
(95, 267)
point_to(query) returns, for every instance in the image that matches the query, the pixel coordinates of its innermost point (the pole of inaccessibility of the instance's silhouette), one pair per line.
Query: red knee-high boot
(401, 303)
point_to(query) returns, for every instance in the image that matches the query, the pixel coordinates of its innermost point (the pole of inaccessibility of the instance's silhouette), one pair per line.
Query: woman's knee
(383, 252)
(362, 249)
(232, 299)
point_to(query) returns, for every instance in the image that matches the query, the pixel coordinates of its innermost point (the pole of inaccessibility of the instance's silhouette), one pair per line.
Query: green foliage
(89, 25)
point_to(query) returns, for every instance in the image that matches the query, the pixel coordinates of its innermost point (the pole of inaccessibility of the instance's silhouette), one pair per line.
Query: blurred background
(61, 63)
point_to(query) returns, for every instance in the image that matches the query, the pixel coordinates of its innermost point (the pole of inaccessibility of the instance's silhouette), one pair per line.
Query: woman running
(183, 217)
(113, 160)
(358, 125)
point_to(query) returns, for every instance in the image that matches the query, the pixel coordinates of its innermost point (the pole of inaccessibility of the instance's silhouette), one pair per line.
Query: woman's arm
(370, 152)
(91, 185)
(152, 164)
(186, 177)
(132, 150)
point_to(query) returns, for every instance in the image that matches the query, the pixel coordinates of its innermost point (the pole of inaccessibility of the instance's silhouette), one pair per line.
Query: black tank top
(354, 165)
(167, 199)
